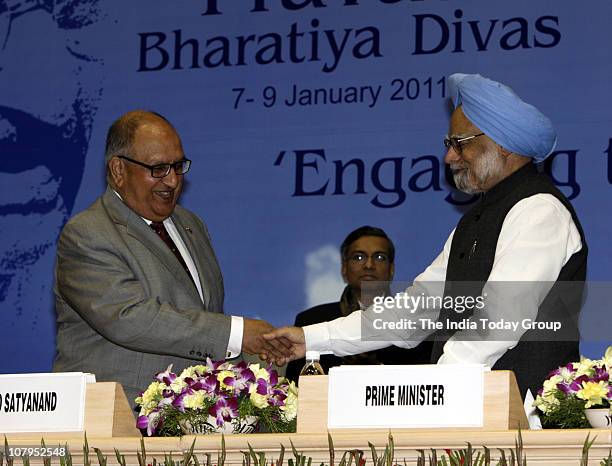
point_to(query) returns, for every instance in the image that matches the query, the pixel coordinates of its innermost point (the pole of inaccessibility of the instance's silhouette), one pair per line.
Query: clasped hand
(277, 345)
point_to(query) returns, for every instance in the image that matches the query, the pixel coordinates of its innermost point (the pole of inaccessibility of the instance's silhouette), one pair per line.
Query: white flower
(545, 403)
(547, 400)
(585, 367)
(259, 401)
(289, 411)
(550, 385)
(191, 371)
(178, 385)
(222, 376)
(151, 397)
(566, 374)
(594, 393)
(195, 401)
(262, 373)
(607, 359)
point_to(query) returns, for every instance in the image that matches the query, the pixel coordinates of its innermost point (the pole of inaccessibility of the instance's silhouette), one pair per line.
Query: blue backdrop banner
(304, 120)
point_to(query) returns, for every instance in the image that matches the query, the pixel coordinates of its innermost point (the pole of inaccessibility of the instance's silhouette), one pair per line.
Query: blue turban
(503, 116)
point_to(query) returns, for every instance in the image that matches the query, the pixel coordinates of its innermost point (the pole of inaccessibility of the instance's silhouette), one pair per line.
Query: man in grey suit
(137, 284)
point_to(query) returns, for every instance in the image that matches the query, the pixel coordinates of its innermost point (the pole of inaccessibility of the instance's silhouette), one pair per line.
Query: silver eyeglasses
(457, 143)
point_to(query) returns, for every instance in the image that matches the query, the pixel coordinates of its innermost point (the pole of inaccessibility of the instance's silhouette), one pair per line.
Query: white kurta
(537, 239)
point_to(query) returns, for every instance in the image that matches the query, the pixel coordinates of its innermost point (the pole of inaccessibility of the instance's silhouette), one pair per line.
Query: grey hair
(120, 135)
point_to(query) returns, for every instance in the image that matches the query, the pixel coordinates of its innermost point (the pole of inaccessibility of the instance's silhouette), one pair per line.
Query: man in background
(368, 258)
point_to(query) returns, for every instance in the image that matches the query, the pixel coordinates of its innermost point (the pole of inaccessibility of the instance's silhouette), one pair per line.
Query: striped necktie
(160, 229)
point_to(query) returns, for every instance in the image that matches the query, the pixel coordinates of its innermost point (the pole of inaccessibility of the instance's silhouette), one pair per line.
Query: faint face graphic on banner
(50, 83)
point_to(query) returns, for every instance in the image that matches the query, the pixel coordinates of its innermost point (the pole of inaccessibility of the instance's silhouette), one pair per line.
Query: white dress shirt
(537, 238)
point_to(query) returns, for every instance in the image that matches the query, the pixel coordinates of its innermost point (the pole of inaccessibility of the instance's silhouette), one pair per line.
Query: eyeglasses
(458, 143)
(163, 169)
(361, 258)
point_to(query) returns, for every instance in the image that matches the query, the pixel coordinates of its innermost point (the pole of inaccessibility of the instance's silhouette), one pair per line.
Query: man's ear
(391, 272)
(116, 168)
(343, 271)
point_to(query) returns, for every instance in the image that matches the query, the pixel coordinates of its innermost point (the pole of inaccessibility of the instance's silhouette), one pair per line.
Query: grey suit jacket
(126, 309)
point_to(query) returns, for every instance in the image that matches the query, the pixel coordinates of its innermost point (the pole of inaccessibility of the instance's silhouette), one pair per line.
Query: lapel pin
(188, 230)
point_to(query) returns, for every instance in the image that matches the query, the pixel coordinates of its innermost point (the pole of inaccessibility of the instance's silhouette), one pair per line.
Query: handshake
(276, 345)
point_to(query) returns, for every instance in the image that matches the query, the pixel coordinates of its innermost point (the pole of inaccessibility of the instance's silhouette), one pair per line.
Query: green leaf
(86, 461)
(188, 456)
(120, 458)
(281, 456)
(586, 446)
(141, 454)
(332, 454)
(222, 453)
(101, 458)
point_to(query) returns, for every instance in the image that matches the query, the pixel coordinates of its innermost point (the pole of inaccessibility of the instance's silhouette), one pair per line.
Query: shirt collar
(147, 221)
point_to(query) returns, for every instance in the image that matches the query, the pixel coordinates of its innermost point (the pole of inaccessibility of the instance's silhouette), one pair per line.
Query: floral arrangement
(216, 396)
(572, 388)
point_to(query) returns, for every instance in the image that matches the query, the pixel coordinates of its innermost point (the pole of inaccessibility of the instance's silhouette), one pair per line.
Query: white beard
(471, 180)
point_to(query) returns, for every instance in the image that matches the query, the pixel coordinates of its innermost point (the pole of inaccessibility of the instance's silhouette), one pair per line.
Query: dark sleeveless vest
(471, 260)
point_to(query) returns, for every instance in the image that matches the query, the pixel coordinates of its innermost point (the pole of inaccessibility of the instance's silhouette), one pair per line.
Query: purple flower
(240, 381)
(573, 387)
(150, 422)
(263, 388)
(601, 375)
(576, 385)
(194, 384)
(273, 375)
(166, 377)
(277, 398)
(275, 395)
(563, 370)
(213, 365)
(179, 401)
(142, 422)
(224, 410)
(565, 388)
(210, 384)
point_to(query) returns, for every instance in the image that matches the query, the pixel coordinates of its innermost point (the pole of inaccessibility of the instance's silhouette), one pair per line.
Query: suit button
(191, 353)
(199, 353)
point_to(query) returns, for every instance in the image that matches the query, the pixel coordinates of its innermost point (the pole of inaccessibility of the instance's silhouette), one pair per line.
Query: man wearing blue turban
(518, 246)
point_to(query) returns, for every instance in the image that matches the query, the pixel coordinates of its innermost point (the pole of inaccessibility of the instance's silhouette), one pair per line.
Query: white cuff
(317, 338)
(234, 345)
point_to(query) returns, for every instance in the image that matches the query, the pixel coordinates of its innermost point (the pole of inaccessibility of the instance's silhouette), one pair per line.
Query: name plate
(42, 402)
(425, 396)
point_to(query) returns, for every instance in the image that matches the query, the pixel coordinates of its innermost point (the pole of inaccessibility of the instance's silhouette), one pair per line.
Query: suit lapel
(138, 229)
(188, 234)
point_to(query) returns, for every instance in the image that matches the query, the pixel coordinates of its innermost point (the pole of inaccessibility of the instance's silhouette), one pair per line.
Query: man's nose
(369, 263)
(171, 179)
(451, 156)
